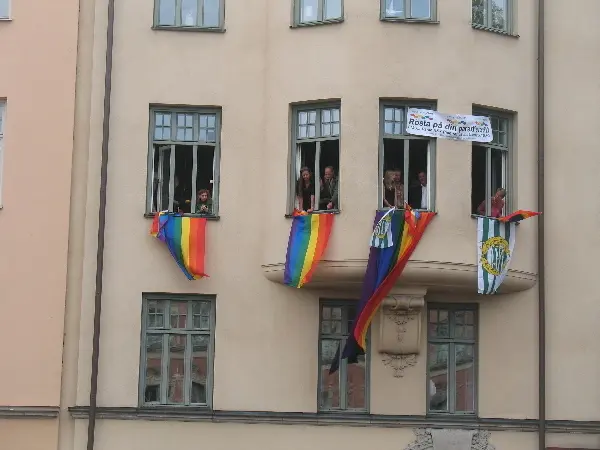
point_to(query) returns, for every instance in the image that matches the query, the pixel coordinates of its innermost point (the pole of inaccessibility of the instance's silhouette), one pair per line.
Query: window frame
(297, 14)
(431, 157)
(509, 29)
(2, 126)
(179, 27)
(343, 367)
(408, 10)
(190, 299)
(293, 168)
(451, 393)
(173, 110)
(507, 160)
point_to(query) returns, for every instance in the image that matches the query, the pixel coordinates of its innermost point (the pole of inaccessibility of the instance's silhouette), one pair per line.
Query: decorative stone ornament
(444, 439)
(400, 328)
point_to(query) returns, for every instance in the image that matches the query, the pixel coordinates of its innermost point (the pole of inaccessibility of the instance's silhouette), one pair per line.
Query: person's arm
(481, 208)
(334, 195)
(312, 203)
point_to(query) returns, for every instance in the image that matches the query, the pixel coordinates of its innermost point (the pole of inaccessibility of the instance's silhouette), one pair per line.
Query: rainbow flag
(384, 267)
(309, 237)
(517, 216)
(185, 238)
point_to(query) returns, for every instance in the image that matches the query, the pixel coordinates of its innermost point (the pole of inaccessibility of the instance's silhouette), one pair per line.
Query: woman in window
(497, 204)
(393, 189)
(305, 191)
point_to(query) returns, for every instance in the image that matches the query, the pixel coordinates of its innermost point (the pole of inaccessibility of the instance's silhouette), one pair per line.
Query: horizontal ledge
(29, 412)
(317, 23)
(207, 217)
(494, 30)
(192, 29)
(186, 414)
(400, 20)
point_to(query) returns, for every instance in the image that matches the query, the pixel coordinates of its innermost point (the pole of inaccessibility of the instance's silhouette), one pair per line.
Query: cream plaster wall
(572, 209)
(266, 334)
(25, 434)
(37, 79)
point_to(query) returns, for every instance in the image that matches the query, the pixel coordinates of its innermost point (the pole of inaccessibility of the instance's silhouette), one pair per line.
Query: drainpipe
(541, 236)
(101, 225)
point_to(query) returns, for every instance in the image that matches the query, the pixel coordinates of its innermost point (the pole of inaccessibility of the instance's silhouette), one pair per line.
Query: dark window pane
(199, 368)
(178, 314)
(438, 324)
(155, 314)
(201, 313)
(153, 368)
(438, 377)
(465, 378)
(463, 325)
(330, 384)
(356, 384)
(176, 369)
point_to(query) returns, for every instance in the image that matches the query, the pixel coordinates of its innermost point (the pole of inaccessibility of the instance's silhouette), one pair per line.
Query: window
(452, 356)
(408, 9)
(406, 161)
(183, 160)
(346, 389)
(490, 169)
(2, 121)
(493, 14)
(4, 9)
(188, 13)
(316, 146)
(177, 351)
(307, 12)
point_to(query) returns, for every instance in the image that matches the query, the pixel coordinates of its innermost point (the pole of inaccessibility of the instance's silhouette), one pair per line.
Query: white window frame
(8, 11)
(408, 12)
(2, 125)
(295, 163)
(431, 153)
(297, 14)
(193, 144)
(508, 151)
(488, 18)
(199, 20)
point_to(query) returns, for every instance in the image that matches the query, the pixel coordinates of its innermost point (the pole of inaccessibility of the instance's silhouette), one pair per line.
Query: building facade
(192, 95)
(38, 50)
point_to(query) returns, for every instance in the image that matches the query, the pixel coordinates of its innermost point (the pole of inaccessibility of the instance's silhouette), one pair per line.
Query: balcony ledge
(436, 276)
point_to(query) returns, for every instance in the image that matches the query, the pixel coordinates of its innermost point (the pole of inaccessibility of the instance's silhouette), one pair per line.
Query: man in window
(418, 194)
(328, 198)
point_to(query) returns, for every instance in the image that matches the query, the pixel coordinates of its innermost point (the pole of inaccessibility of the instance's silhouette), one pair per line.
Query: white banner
(425, 122)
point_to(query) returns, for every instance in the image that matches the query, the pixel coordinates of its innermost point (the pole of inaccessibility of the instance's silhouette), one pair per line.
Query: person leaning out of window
(497, 204)
(204, 204)
(305, 191)
(328, 198)
(393, 189)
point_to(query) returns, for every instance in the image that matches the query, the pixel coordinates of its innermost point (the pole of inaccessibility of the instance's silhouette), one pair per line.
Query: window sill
(192, 29)
(314, 24)
(401, 20)
(5, 19)
(207, 217)
(402, 209)
(329, 211)
(493, 30)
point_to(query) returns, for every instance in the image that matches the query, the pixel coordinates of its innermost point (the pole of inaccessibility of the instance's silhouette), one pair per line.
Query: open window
(184, 162)
(316, 146)
(405, 162)
(490, 174)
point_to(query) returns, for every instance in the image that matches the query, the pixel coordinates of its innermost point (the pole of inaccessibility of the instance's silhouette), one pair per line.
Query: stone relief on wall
(400, 330)
(436, 439)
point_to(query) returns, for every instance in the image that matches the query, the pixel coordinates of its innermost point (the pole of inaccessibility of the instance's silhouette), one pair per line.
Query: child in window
(204, 203)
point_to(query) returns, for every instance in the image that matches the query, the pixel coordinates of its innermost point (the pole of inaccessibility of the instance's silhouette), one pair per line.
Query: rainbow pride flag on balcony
(308, 240)
(384, 266)
(185, 239)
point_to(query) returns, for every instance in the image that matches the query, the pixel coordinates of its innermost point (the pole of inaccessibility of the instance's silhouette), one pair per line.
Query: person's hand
(309, 210)
(329, 205)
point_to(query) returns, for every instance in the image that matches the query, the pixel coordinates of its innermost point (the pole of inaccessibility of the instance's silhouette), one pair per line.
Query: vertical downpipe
(541, 236)
(101, 225)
